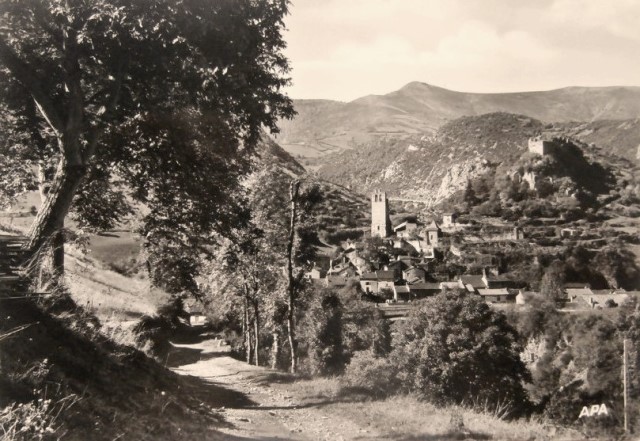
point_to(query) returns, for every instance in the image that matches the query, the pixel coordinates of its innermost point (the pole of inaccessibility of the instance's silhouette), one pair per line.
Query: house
(604, 298)
(386, 280)
(574, 294)
(414, 275)
(500, 295)
(315, 274)
(472, 283)
(397, 266)
(193, 310)
(449, 220)
(401, 293)
(433, 233)
(377, 281)
(197, 319)
(421, 246)
(491, 281)
(450, 285)
(369, 282)
(421, 290)
(406, 229)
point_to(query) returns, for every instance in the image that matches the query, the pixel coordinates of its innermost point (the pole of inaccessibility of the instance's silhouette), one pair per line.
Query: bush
(455, 348)
(372, 375)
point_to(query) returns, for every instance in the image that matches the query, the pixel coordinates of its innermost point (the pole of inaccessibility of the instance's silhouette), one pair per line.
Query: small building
(369, 283)
(493, 281)
(421, 290)
(433, 233)
(197, 318)
(449, 220)
(574, 294)
(500, 295)
(315, 274)
(414, 275)
(475, 282)
(401, 293)
(406, 229)
(377, 281)
(386, 280)
(540, 146)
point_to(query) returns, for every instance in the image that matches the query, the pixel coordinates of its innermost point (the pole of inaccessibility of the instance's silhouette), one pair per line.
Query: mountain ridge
(324, 126)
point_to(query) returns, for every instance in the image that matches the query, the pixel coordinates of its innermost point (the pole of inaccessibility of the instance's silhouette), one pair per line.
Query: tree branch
(28, 78)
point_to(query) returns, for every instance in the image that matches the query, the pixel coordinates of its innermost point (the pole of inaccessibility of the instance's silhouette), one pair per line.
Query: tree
(455, 348)
(276, 214)
(244, 277)
(618, 266)
(162, 100)
(321, 330)
(552, 283)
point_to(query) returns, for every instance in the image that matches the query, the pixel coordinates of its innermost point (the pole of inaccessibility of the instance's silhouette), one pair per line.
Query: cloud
(618, 17)
(344, 49)
(475, 50)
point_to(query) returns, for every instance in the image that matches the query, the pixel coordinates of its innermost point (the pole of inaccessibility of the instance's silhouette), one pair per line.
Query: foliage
(454, 347)
(618, 266)
(372, 374)
(321, 332)
(152, 103)
(552, 283)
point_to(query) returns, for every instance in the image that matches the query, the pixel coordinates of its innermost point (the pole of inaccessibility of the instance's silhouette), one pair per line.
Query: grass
(405, 417)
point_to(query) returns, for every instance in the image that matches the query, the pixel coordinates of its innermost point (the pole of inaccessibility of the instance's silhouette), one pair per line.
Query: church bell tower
(380, 223)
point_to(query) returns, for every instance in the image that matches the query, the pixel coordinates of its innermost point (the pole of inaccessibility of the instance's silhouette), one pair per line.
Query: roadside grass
(406, 417)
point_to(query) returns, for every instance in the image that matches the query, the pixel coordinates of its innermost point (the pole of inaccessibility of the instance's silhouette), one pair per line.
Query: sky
(346, 49)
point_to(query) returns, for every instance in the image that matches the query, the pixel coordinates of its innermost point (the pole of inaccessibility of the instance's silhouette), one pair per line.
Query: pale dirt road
(270, 411)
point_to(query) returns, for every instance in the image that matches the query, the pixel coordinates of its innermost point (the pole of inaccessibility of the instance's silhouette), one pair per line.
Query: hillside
(621, 138)
(323, 127)
(432, 167)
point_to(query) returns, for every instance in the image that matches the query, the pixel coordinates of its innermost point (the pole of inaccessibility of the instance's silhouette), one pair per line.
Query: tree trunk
(275, 350)
(291, 288)
(256, 329)
(245, 331)
(57, 256)
(50, 219)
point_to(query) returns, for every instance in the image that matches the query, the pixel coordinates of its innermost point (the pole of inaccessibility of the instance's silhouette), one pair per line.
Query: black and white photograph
(336, 220)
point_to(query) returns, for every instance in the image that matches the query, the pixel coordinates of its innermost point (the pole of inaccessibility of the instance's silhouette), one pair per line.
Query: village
(411, 262)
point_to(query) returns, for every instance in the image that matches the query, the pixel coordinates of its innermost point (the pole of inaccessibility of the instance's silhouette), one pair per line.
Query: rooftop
(494, 292)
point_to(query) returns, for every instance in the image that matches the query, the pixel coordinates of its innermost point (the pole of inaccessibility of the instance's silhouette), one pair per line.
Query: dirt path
(271, 412)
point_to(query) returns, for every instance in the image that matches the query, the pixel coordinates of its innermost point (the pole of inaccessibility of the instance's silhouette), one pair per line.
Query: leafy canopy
(157, 102)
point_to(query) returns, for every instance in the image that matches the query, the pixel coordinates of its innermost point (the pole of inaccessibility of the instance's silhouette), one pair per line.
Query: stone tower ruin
(380, 223)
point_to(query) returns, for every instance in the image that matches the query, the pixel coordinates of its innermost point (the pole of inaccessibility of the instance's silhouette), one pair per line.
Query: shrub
(455, 348)
(372, 375)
